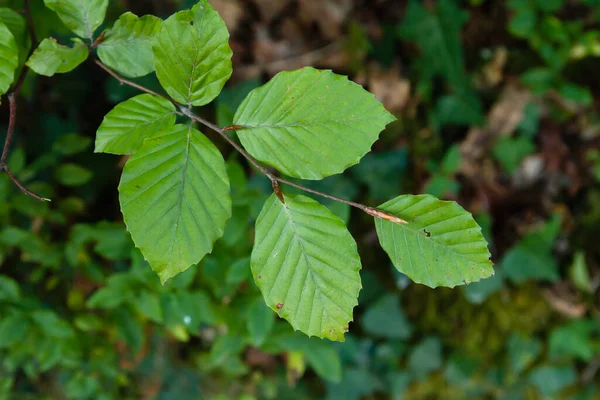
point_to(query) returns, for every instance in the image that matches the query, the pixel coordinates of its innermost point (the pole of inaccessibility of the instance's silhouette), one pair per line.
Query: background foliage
(495, 109)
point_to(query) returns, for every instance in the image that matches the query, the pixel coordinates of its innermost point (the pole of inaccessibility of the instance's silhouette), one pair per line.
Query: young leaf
(51, 58)
(125, 127)
(127, 47)
(9, 54)
(306, 265)
(174, 195)
(80, 16)
(192, 55)
(310, 124)
(442, 245)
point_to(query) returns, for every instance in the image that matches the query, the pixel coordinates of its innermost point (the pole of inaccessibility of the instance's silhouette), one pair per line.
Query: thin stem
(30, 25)
(275, 180)
(23, 188)
(11, 129)
(124, 81)
(12, 100)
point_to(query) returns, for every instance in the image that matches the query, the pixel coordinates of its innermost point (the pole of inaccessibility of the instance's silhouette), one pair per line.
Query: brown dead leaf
(562, 300)
(230, 10)
(389, 87)
(269, 9)
(503, 119)
(493, 71)
(328, 14)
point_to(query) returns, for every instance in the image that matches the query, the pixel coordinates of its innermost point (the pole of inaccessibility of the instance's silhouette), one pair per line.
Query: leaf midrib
(181, 194)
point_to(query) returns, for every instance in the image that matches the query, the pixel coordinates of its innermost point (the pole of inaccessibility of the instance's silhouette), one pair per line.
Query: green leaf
(9, 289)
(511, 151)
(461, 108)
(306, 265)
(51, 325)
(579, 274)
(574, 339)
(522, 352)
(125, 127)
(441, 246)
(71, 144)
(9, 54)
(438, 36)
(192, 55)
(72, 175)
(522, 24)
(531, 257)
(13, 329)
(51, 58)
(550, 381)
(127, 47)
(259, 322)
(310, 124)
(18, 27)
(385, 319)
(426, 357)
(82, 17)
(175, 199)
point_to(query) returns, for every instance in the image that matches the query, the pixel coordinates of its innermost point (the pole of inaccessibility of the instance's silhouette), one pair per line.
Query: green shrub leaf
(310, 124)
(9, 54)
(192, 55)
(306, 265)
(18, 27)
(174, 195)
(127, 125)
(51, 58)
(82, 17)
(127, 47)
(442, 245)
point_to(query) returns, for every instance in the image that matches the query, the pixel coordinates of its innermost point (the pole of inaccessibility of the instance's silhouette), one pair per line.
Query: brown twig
(124, 81)
(275, 180)
(12, 100)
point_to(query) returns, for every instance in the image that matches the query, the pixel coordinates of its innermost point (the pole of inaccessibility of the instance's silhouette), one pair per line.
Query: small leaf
(426, 357)
(175, 199)
(259, 322)
(437, 34)
(306, 264)
(127, 47)
(579, 274)
(127, 125)
(192, 55)
(72, 175)
(51, 58)
(82, 17)
(310, 124)
(385, 319)
(9, 54)
(531, 257)
(442, 245)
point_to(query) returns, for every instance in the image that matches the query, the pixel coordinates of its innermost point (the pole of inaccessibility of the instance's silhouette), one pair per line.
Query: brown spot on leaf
(279, 306)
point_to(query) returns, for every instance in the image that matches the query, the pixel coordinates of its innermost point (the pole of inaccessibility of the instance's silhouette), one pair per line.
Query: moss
(477, 329)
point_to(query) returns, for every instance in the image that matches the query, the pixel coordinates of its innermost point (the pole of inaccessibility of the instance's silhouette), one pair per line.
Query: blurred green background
(496, 109)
